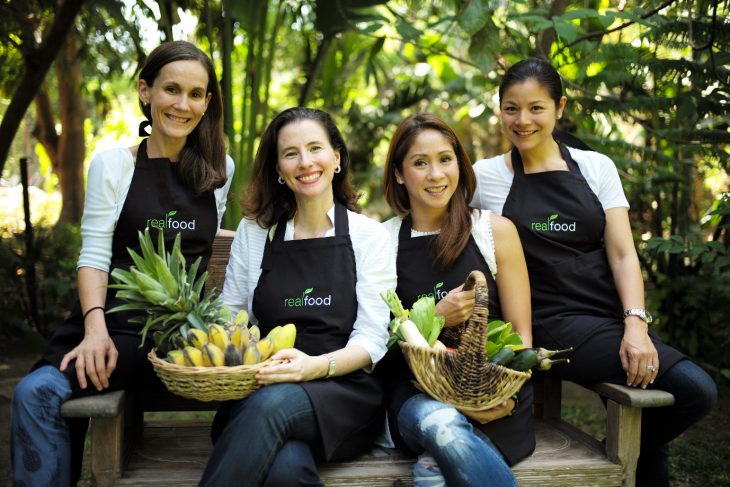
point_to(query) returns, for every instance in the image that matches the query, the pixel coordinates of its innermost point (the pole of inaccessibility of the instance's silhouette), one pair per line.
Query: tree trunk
(69, 166)
(37, 62)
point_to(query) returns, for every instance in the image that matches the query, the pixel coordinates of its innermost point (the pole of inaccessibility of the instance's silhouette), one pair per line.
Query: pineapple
(159, 284)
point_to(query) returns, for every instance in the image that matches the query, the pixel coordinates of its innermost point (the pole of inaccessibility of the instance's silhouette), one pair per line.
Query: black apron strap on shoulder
(404, 234)
(565, 154)
(517, 167)
(278, 236)
(342, 224)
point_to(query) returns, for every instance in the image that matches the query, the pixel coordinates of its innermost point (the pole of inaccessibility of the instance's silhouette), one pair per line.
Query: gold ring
(650, 368)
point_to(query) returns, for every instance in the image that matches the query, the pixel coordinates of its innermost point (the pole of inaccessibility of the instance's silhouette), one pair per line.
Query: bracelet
(92, 309)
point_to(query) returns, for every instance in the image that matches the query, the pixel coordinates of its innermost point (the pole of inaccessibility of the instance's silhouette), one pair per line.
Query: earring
(281, 180)
(399, 180)
(338, 169)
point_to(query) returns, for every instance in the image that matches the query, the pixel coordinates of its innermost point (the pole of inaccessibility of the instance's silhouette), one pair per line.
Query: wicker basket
(207, 383)
(465, 379)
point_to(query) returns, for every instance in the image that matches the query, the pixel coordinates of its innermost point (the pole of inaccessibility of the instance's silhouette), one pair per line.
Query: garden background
(648, 83)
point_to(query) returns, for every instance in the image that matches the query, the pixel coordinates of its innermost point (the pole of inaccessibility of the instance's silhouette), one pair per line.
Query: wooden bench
(127, 448)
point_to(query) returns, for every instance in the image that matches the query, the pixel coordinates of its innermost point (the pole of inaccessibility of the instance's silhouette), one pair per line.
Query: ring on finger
(650, 368)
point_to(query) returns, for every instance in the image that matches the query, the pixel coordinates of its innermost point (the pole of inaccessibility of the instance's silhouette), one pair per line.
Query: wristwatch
(332, 367)
(641, 313)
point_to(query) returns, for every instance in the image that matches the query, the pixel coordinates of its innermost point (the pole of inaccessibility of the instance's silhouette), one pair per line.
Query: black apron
(158, 199)
(561, 225)
(419, 274)
(311, 283)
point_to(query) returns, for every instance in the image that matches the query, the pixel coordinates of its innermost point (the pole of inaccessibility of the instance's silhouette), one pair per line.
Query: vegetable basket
(207, 383)
(465, 378)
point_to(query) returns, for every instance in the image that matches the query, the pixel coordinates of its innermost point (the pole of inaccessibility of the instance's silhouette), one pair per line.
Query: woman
(303, 238)
(180, 173)
(428, 182)
(587, 289)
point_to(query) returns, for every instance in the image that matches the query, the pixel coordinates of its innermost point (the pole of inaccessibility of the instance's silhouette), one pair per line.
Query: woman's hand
(456, 306)
(297, 366)
(96, 357)
(497, 412)
(639, 357)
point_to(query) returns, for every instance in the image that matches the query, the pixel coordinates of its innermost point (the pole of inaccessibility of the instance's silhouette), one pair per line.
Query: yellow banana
(241, 318)
(274, 331)
(176, 357)
(254, 332)
(234, 335)
(193, 356)
(177, 341)
(265, 347)
(217, 336)
(285, 338)
(232, 356)
(197, 338)
(243, 339)
(251, 355)
(212, 355)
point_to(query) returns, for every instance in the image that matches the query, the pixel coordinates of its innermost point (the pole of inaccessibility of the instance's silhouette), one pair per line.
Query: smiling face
(177, 99)
(430, 173)
(306, 159)
(529, 115)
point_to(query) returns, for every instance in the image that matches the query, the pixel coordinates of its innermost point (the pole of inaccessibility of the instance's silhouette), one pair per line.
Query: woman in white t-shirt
(587, 289)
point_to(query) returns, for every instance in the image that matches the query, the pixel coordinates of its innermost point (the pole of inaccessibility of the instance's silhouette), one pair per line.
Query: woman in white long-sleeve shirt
(305, 256)
(176, 180)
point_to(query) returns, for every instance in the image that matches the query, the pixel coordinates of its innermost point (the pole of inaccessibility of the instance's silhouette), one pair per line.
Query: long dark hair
(202, 164)
(266, 199)
(456, 227)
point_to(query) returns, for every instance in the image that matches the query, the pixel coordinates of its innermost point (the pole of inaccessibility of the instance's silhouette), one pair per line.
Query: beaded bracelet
(92, 309)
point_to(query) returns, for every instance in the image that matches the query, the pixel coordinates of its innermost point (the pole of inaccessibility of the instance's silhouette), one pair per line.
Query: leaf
(422, 314)
(566, 30)
(475, 16)
(553, 217)
(308, 290)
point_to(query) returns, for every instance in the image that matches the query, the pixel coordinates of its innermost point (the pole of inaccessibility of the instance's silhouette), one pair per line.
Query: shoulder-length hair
(267, 200)
(202, 164)
(456, 227)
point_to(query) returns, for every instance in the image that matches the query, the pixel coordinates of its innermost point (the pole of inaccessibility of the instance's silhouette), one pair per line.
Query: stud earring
(281, 180)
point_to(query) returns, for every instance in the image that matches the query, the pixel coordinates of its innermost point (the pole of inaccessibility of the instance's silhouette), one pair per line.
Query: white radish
(439, 346)
(411, 334)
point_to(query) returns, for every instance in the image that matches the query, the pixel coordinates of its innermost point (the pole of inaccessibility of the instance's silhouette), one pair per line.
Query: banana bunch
(232, 344)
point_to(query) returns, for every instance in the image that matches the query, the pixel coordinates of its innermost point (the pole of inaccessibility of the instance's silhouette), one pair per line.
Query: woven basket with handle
(465, 379)
(207, 383)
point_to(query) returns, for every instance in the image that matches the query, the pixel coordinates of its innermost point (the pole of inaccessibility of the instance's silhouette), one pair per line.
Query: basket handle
(471, 348)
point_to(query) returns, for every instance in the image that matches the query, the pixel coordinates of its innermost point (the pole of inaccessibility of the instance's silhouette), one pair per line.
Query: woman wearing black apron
(429, 181)
(587, 289)
(176, 180)
(303, 256)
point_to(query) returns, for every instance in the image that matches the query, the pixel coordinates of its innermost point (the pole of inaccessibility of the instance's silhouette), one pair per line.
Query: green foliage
(54, 258)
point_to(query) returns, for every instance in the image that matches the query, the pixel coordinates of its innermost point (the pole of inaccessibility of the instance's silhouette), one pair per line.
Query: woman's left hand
(491, 414)
(639, 357)
(297, 366)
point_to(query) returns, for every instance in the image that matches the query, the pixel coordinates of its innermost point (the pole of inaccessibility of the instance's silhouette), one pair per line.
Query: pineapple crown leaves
(170, 296)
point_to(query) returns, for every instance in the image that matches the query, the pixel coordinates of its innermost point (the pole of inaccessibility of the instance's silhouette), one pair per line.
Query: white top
(481, 230)
(374, 264)
(494, 180)
(110, 175)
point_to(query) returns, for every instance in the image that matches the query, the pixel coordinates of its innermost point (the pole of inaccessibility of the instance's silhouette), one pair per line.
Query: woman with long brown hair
(439, 240)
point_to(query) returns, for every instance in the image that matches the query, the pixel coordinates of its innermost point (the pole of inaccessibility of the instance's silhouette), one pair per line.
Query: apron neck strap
(519, 169)
(342, 227)
(404, 234)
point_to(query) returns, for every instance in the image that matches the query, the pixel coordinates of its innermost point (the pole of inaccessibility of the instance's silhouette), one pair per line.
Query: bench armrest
(106, 405)
(632, 396)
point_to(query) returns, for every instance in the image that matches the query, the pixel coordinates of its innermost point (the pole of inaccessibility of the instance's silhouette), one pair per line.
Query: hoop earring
(338, 169)
(281, 180)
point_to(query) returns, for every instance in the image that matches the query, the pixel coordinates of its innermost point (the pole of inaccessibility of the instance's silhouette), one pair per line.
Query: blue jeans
(465, 456)
(40, 445)
(695, 394)
(267, 441)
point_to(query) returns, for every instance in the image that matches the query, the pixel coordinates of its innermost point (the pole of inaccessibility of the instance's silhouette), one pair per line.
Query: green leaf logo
(553, 217)
(170, 213)
(309, 290)
(440, 284)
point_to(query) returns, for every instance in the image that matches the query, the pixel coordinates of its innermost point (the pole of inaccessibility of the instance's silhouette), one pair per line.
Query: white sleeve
(494, 182)
(244, 267)
(602, 177)
(481, 230)
(110, 175)
(375, 267)
(221, 194)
